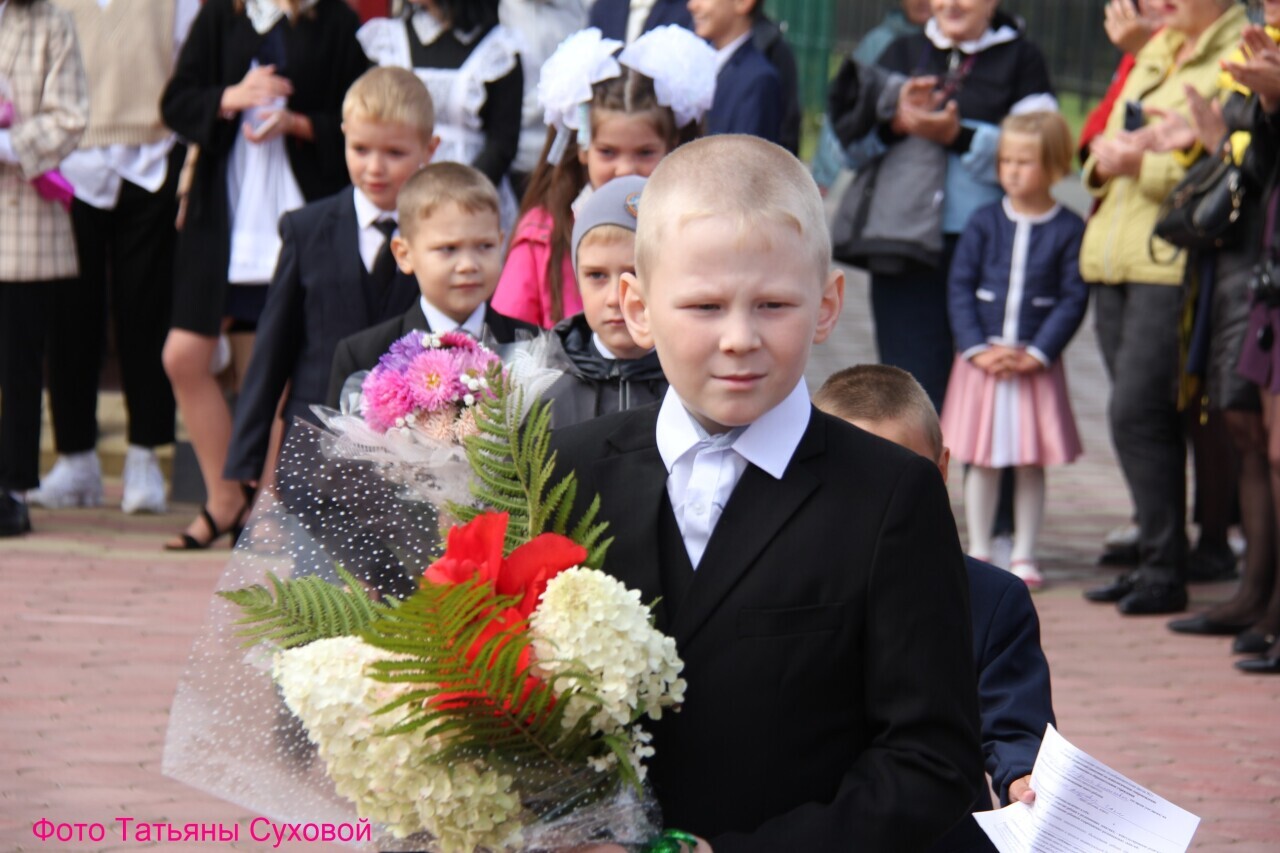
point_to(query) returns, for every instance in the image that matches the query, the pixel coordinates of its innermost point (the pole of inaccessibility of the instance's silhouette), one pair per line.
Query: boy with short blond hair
(335, 274)
(450, 241)
(808, 571)
(1014, 694)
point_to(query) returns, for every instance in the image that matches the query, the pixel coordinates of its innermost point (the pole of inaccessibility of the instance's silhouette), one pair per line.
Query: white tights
(981, 496)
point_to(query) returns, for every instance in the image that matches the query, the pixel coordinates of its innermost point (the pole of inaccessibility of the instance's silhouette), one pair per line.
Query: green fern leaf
(514, 473)
(477, 693)
(299, 611)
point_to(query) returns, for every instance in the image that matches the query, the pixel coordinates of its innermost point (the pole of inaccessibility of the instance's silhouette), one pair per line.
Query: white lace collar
(988, 39)
(1030, 219)
(265, 14)
(428, 29)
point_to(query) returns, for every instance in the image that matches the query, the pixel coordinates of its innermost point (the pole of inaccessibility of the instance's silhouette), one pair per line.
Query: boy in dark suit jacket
(748, 88)
(1014, 696)
(335, 275)
(451, 242)
(808, 571)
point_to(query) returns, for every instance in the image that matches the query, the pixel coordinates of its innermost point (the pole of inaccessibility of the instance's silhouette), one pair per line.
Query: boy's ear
(430, 151)
(400, 251)
(831, 305)
(634, 310)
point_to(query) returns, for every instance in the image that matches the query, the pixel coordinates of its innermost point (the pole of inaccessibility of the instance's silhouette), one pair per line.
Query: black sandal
(191, 543)
(250, 493)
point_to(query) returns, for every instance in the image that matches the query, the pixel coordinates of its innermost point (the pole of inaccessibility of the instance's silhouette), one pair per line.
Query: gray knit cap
(615, 203)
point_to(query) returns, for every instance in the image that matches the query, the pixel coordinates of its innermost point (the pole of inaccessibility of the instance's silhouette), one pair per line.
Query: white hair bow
(682, 67)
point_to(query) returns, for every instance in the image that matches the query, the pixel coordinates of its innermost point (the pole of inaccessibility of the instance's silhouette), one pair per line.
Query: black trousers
(126, 267)
(24, 309)
(1137, 328)
(913, 330)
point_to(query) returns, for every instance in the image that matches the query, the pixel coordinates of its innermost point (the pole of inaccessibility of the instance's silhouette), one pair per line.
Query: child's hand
(1024, 363)
(991, 360)
(1020, 791)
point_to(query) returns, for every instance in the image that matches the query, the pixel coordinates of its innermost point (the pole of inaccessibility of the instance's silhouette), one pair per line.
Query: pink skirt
(998, 423)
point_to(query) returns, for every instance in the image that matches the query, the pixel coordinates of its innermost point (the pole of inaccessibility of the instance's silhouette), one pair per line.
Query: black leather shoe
(1151, 598)
(1112, 592)
(1119, 557)
(1252, 643)
(1212, 564)
(14, 520)
(1259, 666)
(1204, 626)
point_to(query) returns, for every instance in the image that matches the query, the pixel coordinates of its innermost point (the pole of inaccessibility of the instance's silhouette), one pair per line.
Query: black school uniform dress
(321, 58)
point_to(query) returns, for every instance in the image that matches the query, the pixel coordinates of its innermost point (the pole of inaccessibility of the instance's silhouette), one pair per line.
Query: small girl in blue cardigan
(1015, 299)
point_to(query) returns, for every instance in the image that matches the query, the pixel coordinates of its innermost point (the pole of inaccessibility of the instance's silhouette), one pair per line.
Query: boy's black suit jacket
(362, 351)
(831, 700)
(316, 298)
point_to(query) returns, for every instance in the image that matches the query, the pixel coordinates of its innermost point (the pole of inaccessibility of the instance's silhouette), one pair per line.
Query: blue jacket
(1014, 697)
(611, 16)
(748, 96)
(985, 301)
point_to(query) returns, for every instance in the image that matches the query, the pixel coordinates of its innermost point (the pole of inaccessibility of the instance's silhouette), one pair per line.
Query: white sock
(981, 495)
(84, 460)
(137, 454)
(1028, 511)
(20, 497)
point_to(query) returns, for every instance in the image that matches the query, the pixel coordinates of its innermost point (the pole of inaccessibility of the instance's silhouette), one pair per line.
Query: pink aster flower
(387, 396)
(433, 377)
(459, 340)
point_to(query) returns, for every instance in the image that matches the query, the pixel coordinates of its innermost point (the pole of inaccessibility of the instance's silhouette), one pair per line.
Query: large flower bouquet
(500, 705)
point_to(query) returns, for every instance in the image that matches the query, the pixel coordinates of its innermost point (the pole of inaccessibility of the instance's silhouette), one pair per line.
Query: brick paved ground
(98, 621)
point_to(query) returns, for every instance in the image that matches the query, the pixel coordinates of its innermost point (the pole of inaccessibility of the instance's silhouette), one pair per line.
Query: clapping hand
(1261, 69)
(921, 112)
(1121, 155)
(1126, 28)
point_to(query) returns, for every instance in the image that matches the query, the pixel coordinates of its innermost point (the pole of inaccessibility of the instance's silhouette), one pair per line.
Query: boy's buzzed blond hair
(880, 393)
(391, 96)
(740, 177)
(438, 184)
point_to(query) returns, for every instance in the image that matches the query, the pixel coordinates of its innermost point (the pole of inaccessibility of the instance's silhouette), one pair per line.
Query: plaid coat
(40, 60)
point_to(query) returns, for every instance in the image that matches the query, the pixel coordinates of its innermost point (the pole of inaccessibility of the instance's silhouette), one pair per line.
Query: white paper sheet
(1081, 804)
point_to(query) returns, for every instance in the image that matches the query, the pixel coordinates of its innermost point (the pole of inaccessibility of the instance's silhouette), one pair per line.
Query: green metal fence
(809, 26)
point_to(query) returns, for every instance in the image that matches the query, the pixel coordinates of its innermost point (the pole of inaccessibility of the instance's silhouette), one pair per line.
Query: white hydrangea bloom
(587, 618)
(391, 779)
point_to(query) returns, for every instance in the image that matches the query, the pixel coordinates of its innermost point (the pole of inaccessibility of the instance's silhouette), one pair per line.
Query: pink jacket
(523, 291)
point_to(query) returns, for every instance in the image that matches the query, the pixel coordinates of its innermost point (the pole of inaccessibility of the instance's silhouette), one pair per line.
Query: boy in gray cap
(605, 370)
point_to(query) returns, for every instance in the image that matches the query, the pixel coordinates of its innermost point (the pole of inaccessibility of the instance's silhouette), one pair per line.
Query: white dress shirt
(371, 238)
(702, 470)
(636, 17)
(96, 174)
(441, 322)
(723, 54)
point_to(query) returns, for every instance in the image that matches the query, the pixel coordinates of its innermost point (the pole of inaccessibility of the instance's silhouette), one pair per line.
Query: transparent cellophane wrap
(344, 495)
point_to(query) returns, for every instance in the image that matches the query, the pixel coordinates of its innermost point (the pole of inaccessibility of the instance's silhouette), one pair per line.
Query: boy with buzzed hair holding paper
(809, 572)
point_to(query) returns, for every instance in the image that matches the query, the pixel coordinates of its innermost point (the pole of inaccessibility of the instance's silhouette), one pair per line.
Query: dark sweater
(594, 385)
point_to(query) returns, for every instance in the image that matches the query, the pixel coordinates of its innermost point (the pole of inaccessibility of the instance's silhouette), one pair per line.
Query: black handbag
(1201, 210)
